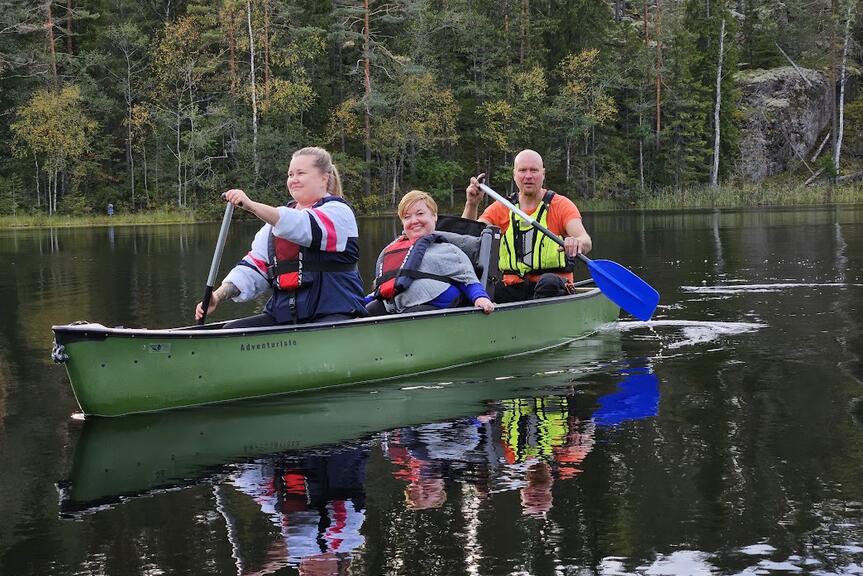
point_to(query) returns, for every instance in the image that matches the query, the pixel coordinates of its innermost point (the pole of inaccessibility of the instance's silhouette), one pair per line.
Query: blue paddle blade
(623, 287)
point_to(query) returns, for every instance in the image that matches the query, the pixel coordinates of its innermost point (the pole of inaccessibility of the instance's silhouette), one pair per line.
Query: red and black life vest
(290, 263)
(400, 263)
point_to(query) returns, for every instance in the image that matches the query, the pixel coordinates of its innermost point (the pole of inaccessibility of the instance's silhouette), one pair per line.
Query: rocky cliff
(784, 112)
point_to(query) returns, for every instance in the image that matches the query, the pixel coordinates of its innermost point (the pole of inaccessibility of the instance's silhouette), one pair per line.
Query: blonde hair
(416, 196)
(324, 163)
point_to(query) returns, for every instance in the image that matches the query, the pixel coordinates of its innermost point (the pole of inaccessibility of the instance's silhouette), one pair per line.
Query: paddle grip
(205, 303)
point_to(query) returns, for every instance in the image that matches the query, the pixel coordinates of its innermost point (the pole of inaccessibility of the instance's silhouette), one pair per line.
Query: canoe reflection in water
(306, 506)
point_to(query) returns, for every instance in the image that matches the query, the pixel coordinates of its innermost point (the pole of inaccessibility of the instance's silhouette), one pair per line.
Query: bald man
(533, 265)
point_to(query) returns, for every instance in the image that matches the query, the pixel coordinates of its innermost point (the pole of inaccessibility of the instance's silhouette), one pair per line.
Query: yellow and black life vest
(525, 250)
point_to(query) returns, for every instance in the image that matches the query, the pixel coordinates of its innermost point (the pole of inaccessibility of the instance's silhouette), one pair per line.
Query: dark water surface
(723, 437)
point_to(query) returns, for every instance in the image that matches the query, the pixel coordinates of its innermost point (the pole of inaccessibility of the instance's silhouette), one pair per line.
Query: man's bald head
(527, 155)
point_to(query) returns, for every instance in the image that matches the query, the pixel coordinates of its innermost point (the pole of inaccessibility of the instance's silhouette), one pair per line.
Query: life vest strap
(414, 275)
(286, 267)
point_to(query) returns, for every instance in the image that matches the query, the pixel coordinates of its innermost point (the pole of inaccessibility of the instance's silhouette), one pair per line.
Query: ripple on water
(773, 287)
(693, 332)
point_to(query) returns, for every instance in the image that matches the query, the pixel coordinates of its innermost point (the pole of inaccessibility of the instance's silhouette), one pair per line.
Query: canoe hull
(116, 371)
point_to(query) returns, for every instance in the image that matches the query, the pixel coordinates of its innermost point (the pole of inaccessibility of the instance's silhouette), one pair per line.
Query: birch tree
(130, 43)
(53, 126)
(714, 172)
(842, 80)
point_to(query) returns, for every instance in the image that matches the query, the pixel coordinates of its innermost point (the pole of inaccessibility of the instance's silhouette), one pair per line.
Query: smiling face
(418, 220)
(306, 183)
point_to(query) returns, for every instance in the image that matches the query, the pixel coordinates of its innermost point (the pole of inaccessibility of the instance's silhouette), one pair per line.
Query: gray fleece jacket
(441, 259)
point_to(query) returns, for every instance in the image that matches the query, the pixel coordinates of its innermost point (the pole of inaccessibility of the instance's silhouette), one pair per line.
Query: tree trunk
(69, 10)
(525, 31)
(714, 172)
(568, 159)
(144, 170)
(179, 163)
(834, 120)
(646, 29)
(38, 192)
(658, 70)
(367, 87)
(231, 24)
(254, 90)
(52, 53)
(507, 55)
(842, 70)
(130, 155)
(640, 150)
(593, 157)
(395, 179)
(267, 47)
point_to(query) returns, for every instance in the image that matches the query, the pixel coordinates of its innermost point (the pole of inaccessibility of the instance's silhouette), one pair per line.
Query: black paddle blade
(624, 288)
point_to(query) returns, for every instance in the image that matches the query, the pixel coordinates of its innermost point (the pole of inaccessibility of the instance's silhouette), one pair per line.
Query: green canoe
(116, 371)
(116, 458)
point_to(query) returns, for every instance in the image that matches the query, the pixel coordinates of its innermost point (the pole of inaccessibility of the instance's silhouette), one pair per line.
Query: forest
(162, 104)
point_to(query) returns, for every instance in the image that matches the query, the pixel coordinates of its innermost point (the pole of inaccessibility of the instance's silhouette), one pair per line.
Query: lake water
(723, 437)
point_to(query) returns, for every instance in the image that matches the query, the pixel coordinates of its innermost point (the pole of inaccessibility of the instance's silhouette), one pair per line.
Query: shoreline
(727, 198)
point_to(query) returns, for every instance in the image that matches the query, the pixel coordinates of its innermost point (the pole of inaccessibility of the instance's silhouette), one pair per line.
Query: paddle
(217, 257)
(619, 284)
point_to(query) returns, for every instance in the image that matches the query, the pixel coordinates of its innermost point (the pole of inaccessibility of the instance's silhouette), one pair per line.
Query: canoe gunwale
(66, 333)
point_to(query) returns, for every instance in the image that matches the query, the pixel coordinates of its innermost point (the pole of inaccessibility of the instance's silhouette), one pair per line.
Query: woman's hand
(238, 198)
(486, 305)
(199, 309)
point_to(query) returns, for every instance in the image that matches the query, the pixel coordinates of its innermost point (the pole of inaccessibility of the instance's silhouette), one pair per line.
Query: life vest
(309, 282)
(400, 263)
(290, 263)
(525, 250)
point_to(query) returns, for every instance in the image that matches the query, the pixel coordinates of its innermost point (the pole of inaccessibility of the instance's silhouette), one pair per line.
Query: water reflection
(307, 480)
(315, 502)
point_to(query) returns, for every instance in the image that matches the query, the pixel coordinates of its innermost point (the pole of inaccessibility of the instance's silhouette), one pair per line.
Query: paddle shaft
(217, 257)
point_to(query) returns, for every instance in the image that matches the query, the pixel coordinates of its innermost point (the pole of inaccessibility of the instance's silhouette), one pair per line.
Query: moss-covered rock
(784, 110)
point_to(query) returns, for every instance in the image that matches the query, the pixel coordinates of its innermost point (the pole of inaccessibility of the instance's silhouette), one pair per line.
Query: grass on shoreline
(696, 198)
(158, 216)
(752, 196)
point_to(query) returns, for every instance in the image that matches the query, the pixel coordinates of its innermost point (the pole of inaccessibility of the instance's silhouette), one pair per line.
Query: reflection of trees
(4, 384)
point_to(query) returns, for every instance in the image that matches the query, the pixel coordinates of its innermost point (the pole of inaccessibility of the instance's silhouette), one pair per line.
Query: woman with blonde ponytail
(306, 252)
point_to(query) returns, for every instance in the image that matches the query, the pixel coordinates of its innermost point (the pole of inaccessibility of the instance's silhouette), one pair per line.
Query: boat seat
(481, 243)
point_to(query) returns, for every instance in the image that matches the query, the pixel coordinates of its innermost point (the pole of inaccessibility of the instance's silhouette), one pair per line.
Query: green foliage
(11, 193)
(436, 176)
(853, 137)
(74, 204)
(152, 102)
(53, 125)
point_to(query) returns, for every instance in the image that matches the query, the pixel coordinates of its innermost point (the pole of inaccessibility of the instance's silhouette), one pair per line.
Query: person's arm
(265, 212)
(477, 294)
(577, 240)
(247, 279)
(223, 292)
(327, 227)
(473, 197)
